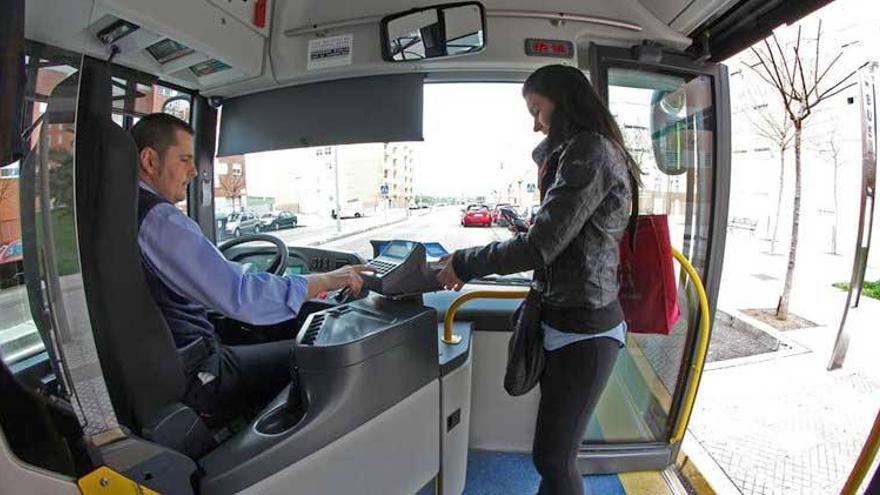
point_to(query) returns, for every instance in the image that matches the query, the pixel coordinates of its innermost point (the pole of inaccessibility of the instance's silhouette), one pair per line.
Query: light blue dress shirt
(192, 266)
(555, 339)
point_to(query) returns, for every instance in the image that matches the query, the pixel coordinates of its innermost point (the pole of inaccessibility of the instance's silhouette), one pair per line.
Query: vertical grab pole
(867, 96)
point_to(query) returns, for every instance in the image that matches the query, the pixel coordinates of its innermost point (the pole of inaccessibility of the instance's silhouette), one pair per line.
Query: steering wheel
(278, 265)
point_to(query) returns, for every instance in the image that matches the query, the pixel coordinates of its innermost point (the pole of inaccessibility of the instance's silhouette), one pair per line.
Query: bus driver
(188, 275)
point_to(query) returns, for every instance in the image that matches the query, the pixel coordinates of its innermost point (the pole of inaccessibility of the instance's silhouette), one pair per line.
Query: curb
(702, 471)
(361, 231)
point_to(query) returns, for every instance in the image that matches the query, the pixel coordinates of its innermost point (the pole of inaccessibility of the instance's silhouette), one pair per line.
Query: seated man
(188, 275)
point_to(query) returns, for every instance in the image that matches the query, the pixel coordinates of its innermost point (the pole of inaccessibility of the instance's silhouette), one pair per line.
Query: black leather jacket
(573, 245)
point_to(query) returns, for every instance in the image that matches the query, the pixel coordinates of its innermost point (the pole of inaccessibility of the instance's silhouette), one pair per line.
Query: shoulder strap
(634, 214)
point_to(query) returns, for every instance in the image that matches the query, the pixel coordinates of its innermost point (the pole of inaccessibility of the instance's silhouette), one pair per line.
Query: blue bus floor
(503, 473)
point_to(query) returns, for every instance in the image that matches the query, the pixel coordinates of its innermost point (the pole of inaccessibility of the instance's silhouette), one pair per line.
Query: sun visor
(362, 110)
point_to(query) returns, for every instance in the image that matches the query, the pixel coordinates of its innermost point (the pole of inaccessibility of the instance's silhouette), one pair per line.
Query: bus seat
(138, 357)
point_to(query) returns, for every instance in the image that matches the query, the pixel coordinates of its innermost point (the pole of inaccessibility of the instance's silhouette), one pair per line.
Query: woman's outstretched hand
(447, 277)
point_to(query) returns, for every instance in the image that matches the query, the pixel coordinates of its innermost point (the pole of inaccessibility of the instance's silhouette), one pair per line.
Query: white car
(351, 208)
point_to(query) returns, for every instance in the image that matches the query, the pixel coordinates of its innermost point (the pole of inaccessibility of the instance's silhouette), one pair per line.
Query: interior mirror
(670, 131)
(682, 125)
(179, 106)
(431, 32)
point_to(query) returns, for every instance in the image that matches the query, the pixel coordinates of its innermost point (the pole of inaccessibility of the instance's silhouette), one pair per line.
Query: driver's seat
(138, 356)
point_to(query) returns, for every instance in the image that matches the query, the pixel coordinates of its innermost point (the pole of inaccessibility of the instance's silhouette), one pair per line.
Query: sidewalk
(781, 423)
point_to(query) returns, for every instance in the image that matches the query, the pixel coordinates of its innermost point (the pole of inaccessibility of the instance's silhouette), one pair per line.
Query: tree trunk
(834, 225)
(778, 199)
(782, 308)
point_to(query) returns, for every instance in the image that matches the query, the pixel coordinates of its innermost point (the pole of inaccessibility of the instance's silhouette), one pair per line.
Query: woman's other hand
(447, 277)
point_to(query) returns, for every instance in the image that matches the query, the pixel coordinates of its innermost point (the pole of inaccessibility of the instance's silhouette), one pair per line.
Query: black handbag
(525, 351)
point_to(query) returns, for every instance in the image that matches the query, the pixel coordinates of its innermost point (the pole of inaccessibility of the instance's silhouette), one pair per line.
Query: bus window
(19, 338)
(18, 334)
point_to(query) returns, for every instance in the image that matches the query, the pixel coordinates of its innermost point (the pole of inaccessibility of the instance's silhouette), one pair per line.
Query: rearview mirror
(670, 131)
(433, 32)
(179, 106)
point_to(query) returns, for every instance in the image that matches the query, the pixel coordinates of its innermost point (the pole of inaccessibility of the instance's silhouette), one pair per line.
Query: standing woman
(586, 180)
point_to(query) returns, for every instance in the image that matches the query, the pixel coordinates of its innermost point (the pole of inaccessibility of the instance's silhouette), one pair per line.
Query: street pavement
(314, 230)
(441, 225)
(780, 423)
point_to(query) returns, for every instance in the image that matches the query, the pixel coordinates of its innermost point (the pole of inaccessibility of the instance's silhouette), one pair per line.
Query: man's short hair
(156, 131)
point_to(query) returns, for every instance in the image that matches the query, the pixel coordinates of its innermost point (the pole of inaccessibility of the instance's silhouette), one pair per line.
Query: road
(441, 225)
(313, 230)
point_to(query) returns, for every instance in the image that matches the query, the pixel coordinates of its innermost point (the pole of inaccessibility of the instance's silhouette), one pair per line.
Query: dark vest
(186, 319)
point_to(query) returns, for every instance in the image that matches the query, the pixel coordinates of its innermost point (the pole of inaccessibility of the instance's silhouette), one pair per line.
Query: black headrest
(135, 347)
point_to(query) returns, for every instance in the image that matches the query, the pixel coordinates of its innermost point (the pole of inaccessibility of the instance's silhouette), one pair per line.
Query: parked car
(242, 223)
(476, 215)
(351, 208)
(277, 220)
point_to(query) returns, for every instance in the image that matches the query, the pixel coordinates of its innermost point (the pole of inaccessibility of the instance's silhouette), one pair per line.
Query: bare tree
(802, 85)
(832, 150)
(777, 129)
(232, 185)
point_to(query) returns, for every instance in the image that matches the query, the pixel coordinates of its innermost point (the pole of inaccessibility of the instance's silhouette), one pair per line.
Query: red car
(476, 215)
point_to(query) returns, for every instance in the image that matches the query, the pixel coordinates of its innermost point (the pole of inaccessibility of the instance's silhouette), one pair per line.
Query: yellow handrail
(696, 370)
(448, 337)
(866, 458)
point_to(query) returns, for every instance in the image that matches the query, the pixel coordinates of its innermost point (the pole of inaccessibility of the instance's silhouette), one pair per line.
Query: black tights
(573, 379)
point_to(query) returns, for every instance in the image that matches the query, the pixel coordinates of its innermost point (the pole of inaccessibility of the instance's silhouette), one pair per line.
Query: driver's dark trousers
(246, 378)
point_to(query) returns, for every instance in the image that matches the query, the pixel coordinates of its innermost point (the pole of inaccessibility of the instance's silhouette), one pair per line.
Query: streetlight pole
(336, 185)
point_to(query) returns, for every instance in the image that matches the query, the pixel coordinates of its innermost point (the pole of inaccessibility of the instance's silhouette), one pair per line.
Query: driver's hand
(346, 277)
(447, 277)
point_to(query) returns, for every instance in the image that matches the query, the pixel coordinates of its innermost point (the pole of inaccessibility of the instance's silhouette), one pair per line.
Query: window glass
(19, 338)
(477, 150)
(674, 116)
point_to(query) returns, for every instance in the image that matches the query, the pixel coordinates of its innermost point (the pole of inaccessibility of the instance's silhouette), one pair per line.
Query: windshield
(407, 190)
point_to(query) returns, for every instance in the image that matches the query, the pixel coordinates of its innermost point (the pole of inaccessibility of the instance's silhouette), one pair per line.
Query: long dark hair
(577, 107)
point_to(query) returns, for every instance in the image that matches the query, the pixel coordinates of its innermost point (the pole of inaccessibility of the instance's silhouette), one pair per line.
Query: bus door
(674, 114)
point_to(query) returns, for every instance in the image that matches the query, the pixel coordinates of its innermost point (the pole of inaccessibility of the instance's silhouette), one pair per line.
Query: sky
(476, 134)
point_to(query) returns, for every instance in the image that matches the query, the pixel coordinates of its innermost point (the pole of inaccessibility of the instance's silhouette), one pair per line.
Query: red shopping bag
(648, 292)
